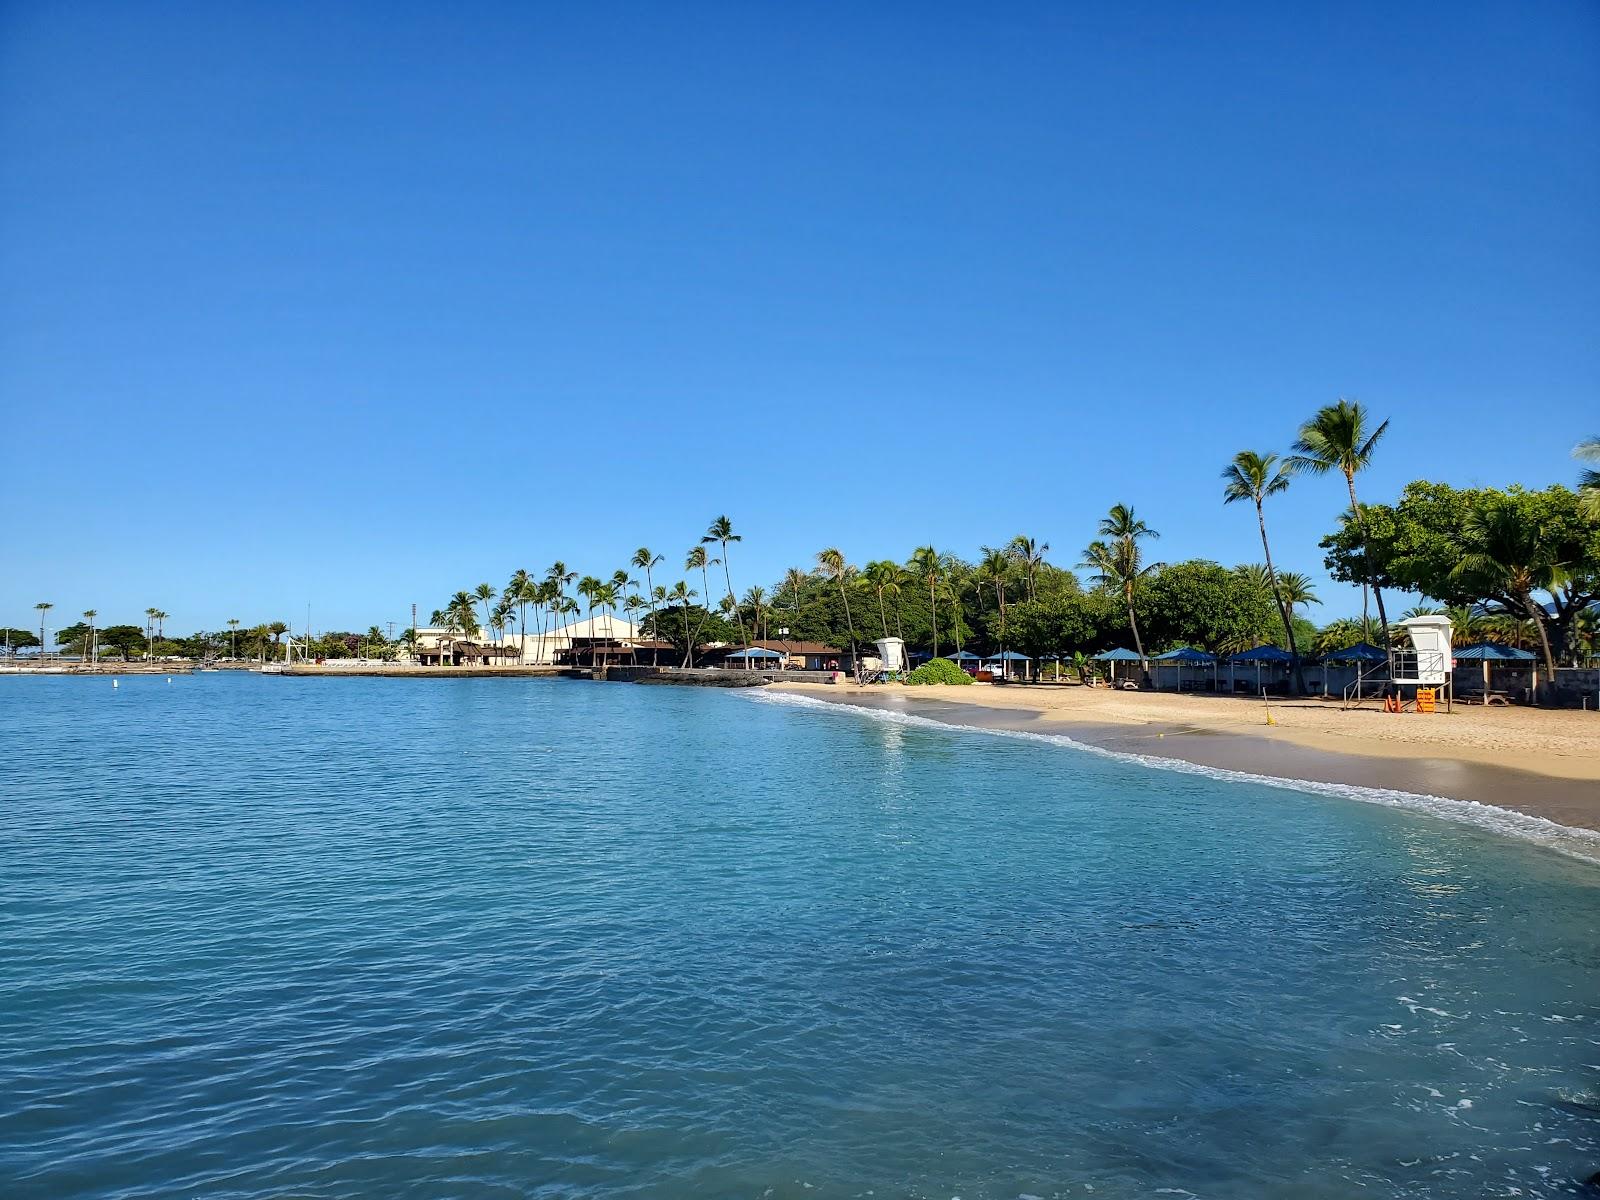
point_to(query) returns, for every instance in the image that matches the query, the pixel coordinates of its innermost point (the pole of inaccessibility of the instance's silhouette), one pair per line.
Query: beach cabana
(964, 659)
(1113, 657)
(1260, 657)
(754, 656)
(1005, 659)
(1488, 653)
(1187, 656)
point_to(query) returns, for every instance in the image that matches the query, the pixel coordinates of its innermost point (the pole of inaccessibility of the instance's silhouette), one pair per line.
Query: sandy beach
(1545, 763)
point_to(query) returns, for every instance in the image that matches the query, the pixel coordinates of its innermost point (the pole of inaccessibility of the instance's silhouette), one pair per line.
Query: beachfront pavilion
(799, 655)
(754, 656)
(461, 652)
(1352, 662)
(1011, 664)
(1271, 663)
(1186, 668)
(1493, 653)
(1113, 657)
(605, 636)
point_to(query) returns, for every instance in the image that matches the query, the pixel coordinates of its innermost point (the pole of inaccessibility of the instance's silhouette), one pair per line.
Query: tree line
(1513, 565)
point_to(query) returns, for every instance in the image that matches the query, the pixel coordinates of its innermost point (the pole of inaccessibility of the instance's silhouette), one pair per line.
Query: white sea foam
(1578, 843)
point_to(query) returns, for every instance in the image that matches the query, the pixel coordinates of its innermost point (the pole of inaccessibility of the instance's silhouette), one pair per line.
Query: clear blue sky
(358, 305)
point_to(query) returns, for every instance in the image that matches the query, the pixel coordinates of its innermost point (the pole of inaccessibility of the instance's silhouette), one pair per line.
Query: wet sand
(1568, 794)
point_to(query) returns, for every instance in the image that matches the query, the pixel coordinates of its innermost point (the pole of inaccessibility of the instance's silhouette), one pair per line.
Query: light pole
(783, 632)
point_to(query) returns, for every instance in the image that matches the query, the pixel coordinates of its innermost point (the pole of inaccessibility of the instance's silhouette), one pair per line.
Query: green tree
(647, 561)
(43, 606)
(1201, 603)
(1589, 480)
(721, 533)
(1116, 561)
(1030, 553)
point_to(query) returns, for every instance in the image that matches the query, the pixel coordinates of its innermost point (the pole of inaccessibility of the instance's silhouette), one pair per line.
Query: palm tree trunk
(883, 616)
(1538, 616)
(850, 622)
(1133, 624)
(934, 602)
(727, 578)
(1283, 609)
(1366, 557)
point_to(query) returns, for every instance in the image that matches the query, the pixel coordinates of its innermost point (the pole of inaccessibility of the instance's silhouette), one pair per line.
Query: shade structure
(755, 652)
(1187, 654)
(962, 656)
(1493, 652)
(1263, 654)
(1008, 656)
(1117, 655)
(1360, 652)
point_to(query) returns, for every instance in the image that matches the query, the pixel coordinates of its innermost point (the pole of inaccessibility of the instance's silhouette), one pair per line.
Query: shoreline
(1308, 744)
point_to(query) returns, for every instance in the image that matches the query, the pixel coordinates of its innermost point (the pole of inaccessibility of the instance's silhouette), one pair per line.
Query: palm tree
(1254, 477)
(150, 633)
(645, 561)
(1297, 591)
(277, 629)
(1510, 558)
(89, 615)
(233, 635)
(1030, 554)
(794, 579)
(483, 594)
(928, 566)
(683, 594)
(756, 598)
(1336, 439)
(1125, 532)
(43, 606)
(721, 531)
(992, 569)
(832, 564)
(1589, 481)
(517, 595)
(879, 576)
(697, 559)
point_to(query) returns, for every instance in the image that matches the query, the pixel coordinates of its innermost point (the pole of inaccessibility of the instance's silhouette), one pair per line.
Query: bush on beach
(939, 670)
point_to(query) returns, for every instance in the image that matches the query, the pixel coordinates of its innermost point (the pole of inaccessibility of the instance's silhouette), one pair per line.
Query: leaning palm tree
(697, 559)
(721, 531)
(1336, 439)
(1510, 559)
(1030, 553)
(928, 566)
(1254, 477)
(1589, 480)
(832, 563)
(682, 594)
(88, 645)
(1297, 591)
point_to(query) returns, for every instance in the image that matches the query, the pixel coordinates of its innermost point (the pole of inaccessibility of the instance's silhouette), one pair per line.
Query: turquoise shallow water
(265, 937)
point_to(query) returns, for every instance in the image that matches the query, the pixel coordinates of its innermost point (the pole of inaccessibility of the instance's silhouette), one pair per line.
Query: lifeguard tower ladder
(1427, 661)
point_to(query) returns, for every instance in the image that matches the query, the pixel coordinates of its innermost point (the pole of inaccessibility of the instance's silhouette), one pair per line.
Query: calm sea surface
(265, 937)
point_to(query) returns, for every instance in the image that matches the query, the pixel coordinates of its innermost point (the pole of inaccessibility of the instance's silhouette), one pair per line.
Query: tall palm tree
(484, 594)
(277, 629)
(879, 576)
(794, 579)
(756, 598)
(928, 566)
(832, 563)
(647, 562)
(1030, 554)
(992, 570)
(517, 595)
(1589, 481)
(43, 606)
(1116, 561)
(1336, 439)
(721, 531)
(1254, 477)
(233, 635)
(89, 615)
(150, 633)
(682, 593)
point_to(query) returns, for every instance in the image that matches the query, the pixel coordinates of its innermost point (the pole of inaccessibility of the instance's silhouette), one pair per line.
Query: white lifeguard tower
(1428, 661)
(892, 654)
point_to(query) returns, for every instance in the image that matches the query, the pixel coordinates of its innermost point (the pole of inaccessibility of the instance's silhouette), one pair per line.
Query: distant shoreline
(1554, 774)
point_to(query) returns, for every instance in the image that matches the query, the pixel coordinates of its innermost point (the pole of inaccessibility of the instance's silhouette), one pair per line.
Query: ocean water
(266, 937)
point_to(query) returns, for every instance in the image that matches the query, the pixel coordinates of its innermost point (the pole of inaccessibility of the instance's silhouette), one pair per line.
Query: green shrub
(939, 670)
